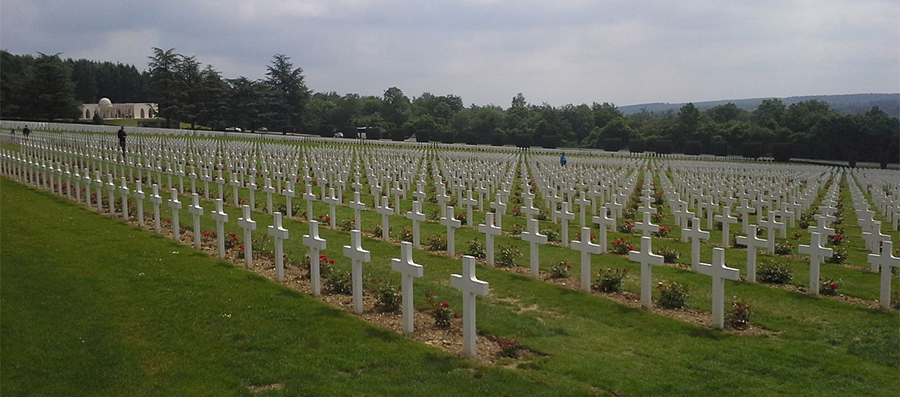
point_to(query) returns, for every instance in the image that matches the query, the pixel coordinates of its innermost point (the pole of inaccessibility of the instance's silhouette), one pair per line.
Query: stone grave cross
(248, 225)
(357, 255)
(315, 244)
(490, 230)
(719, 272)
(586, 247)
(470, 287)
(197, 211)
(647, 259)
(408, 270)
(175, 206)
(220, 217)
(817, 253)
(280, 234)
(887, 261)
(452, 224)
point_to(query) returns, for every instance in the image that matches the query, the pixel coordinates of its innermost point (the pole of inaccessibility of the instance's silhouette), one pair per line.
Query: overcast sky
(555, 51)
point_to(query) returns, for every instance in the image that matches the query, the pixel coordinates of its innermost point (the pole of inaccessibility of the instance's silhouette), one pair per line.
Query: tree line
(186, 90)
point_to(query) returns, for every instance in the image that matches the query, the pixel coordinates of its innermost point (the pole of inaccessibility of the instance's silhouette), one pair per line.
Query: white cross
(817, 253)
(470, 287)
(235, 184)
(695, 234)
(220, 182)
(566, 216)
(252, 187)
(529, 210)
(745, 210)
(646, 258)
(280, 234)
(197, 211)
(887, 261)
(310, 198)
(821, 227)
(315, 244)
(442, 198)
(357, 206)
(332, 201)
(586, 247)
(719, 272)
(416, 216)
(220, 217)
(534, 238)
(500, 209)
(489, 230)
(175, 206)
(138, 199)
(771, 224)
(605, 223)
(452, 224)
(647, 226)
(156, 200)
(408, 270)
(752, 243)
(357, 255)
(123, 189)
(289, 194)
(385, 210)
(469, 202)
(248, 225)
(726, 220)
(582, 202)
(111, 187)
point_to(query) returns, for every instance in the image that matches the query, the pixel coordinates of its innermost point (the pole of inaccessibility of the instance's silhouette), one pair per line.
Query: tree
(165, 87)
(191, 79)
(396, 107)
(214, 93)
(801, 116)
(725, 113)
(688, 119)
(518, 102)
(769, 113)
(53, 90)
(289, 94)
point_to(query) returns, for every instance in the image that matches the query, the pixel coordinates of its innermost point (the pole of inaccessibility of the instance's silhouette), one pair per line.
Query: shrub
(339, 282)
(346, 225)
(783, 247)
(377, 230)
(560, 270)
(388, 296)
(895, 300)
(552, 235)
(626, 227)
(476, 249)
(663, 231)
(774, 272)
(829, 287)
(637, 145)
(738, 316)
(509, 348)
(610, 280)
(838, 255)
(672, 295)
(837, 239)
(517, 228)
(405, 234)
(670, 255)
(621, 247)
(436, 243)
(440, 310)
(658, 216)
(507, 255)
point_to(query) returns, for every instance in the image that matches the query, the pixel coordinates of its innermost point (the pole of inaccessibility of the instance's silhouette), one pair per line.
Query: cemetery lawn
(94, 307)
(168, 331)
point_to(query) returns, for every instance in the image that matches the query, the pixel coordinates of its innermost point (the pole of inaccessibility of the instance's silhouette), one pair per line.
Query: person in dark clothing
(26, 131)
(562, 160)
(122, 136)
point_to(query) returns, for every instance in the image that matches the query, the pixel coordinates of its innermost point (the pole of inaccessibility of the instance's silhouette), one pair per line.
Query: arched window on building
(87, 113)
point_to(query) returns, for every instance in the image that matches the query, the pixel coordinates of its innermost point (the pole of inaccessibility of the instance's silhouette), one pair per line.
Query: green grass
(92, 306)
(821, 347)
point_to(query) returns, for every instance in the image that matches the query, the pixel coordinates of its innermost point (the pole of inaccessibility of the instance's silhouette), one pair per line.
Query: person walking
(26, 131)
(122, 136)
(562, 160)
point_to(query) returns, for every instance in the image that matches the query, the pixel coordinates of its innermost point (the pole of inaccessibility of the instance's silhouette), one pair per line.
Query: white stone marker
(745, 210)
(726, 220)
(269, 189)
(139, 201)
(280, 234)
(586, 247)
(408, 270)
(887, 261)
(235, 185)
(452, 224)
(771, 224)
(751, 242)
(220, 217)
(156, 200)
(315, 244)
(111, 187)
(415, 216)
(289, 194)
(386, 211)
(582, 202)
(603, 222)
(695, 234)
(123, 189)
(248, 225)
(647, 226)
(566, 216)
(500, 209)
(197, 211)
(817, 253)
(529, 209)
(534, 238)
(175, 206)
(469, 202)
(647, 259)
(719, 272)
(331, 200)
(470, 287)
(357, 256)
(490, 230)
(357, 206)
(310, 197)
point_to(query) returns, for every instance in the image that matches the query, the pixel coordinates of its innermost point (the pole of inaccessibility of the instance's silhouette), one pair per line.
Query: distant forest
(50, 88)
